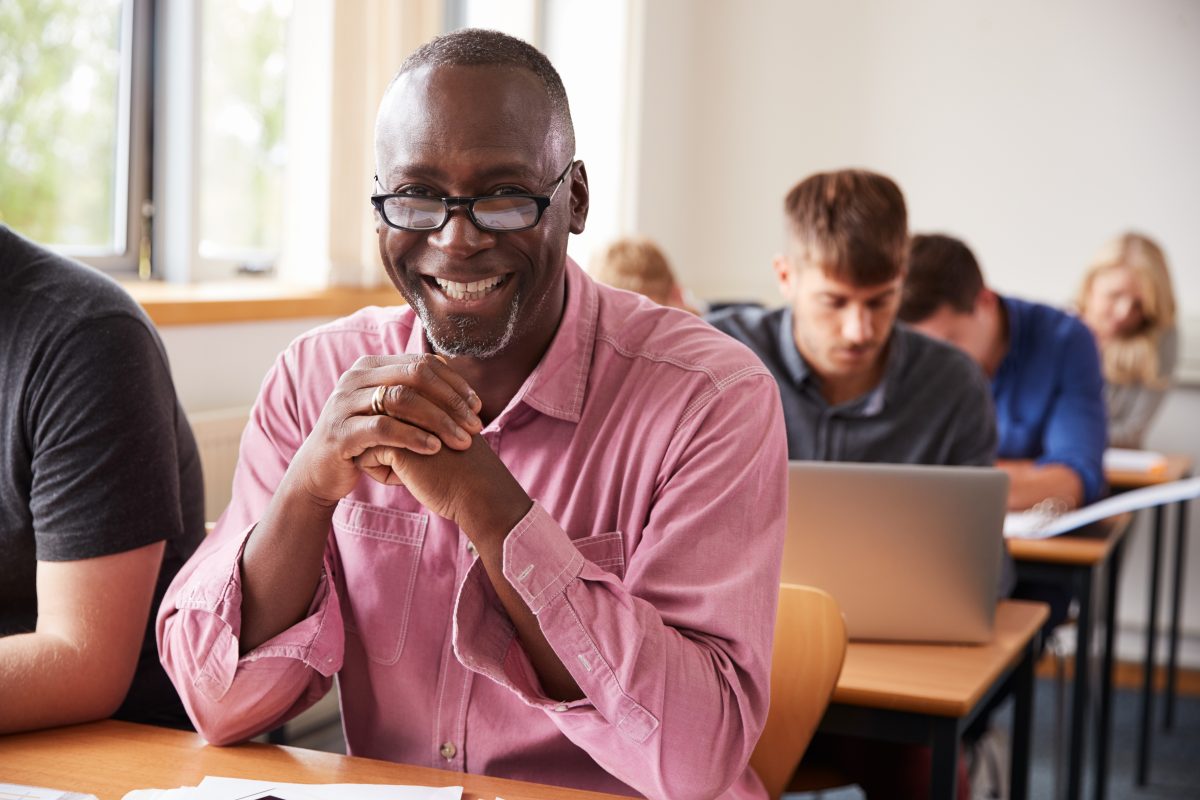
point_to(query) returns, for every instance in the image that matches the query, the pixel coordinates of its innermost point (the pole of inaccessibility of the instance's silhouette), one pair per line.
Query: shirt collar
(789, 354)
(870, 404)
(1012, 312)
(557, 385)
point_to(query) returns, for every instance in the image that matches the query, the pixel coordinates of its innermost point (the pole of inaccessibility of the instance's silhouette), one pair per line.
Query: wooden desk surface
(942, 680)
(110, 758)
(1178, 467)
(1084, 547)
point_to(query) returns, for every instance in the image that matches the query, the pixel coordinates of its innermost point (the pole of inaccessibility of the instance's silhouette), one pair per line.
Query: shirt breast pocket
(380, 553)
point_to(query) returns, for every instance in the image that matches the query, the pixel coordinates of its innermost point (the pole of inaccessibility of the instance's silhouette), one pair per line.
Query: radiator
(217, 435)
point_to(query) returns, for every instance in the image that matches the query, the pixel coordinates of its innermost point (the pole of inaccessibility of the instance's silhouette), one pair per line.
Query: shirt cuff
(484, 638)
(540, 560)
(216, 590)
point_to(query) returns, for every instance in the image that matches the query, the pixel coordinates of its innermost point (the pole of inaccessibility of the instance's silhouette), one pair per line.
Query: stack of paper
(214, 788)
(1146, 462)
(1039, 525)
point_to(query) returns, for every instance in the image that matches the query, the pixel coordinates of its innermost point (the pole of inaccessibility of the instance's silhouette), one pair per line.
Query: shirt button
(471, 548)
(448, 750)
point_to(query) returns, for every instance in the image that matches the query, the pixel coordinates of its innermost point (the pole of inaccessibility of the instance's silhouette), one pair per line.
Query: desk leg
(1022, 723)
(1144, 732)
(944, 767)
(1176, 602)
(1081, 697)
(1112, 579)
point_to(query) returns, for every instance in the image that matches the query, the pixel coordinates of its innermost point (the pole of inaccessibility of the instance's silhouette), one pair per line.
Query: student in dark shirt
(855, 384)
(101, 497)
(858, 386)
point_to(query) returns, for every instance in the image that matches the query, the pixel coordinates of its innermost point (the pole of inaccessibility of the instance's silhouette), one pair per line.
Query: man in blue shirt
(1044, 366)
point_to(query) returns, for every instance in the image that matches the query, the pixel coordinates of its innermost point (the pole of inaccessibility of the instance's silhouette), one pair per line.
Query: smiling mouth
(475, 290)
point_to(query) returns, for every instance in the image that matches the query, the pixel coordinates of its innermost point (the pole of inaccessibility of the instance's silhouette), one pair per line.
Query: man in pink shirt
(533, 524)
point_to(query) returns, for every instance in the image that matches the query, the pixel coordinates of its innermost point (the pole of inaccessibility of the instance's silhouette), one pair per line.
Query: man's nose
(461, 237)
(857, 326)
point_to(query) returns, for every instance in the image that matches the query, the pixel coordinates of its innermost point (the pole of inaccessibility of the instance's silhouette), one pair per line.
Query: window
(243, 150)
(76, 82)
(221, 137)
(74, 172)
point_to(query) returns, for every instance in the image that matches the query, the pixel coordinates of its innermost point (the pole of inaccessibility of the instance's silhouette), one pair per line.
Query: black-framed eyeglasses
(492, 212)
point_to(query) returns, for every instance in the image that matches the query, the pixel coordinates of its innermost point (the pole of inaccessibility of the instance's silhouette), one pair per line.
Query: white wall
(222, 366)
(1033, 130)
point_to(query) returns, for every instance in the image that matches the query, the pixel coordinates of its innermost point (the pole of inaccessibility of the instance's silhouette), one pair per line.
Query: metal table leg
(1080, 699)
(944, 767)
(1176, 603)
(1112, 580)
(1144, 732)
(1022, 724)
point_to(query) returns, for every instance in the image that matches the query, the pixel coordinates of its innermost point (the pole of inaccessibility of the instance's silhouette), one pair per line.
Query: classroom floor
(1174, 765)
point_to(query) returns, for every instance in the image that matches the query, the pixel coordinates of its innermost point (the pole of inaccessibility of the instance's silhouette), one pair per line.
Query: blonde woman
(637, 264)
(1127, 301)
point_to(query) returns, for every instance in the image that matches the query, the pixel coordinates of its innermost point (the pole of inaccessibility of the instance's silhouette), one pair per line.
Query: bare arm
(78, 664)
(1030, 484)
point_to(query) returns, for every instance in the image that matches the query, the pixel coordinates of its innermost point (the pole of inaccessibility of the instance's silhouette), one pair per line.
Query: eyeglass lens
(496, 213)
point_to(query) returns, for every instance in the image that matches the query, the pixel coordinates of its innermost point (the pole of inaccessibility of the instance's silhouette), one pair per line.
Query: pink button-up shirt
(654, 449)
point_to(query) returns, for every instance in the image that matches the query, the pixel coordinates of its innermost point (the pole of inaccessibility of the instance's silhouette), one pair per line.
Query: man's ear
(580, 197)
(985, 301)
(785, 274)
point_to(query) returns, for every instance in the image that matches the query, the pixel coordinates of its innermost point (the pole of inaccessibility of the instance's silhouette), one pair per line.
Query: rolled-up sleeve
(231, 697)
(677, 652)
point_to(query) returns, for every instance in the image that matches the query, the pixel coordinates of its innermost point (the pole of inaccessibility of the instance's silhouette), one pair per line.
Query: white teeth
(469, 291)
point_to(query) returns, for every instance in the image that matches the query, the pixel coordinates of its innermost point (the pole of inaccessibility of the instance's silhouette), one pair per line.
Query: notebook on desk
(911, 553)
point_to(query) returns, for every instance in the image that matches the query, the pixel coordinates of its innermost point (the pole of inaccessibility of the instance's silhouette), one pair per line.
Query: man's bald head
(476, 47)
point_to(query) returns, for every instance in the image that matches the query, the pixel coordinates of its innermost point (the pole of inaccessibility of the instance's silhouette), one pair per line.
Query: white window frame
(129, 254)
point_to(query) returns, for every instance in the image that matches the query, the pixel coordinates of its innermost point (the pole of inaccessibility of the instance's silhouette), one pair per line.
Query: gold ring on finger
(377, 399)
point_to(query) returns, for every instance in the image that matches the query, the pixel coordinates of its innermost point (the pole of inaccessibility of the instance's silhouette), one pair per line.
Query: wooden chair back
(810, 643)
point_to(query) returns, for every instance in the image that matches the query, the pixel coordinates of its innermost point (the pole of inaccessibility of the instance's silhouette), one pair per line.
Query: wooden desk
(1079, 560)
(929, 694)
(1178, 467)
(110, 758)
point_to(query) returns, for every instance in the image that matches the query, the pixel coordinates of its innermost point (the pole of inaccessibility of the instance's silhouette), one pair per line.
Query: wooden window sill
(250, 301)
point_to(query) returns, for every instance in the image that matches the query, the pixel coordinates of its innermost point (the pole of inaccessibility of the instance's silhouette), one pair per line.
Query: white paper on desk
(12, 791)
(1037, 525)
(1120, 459)
(217, 788)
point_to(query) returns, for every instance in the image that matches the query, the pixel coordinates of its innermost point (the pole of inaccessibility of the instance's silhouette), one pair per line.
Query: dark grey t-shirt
(933, 406)
(96, 456)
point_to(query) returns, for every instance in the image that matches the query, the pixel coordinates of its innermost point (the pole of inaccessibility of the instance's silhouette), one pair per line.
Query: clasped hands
(427, 440)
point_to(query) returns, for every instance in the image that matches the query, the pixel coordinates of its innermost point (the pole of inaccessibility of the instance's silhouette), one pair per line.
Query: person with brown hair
(637, 264)
(1127, 302)
(858, 386)
(855, 385)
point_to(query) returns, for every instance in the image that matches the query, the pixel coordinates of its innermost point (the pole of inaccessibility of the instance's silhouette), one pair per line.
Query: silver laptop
(911, 553)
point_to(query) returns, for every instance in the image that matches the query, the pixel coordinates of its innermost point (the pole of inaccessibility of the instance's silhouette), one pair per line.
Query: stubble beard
(461, 335)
